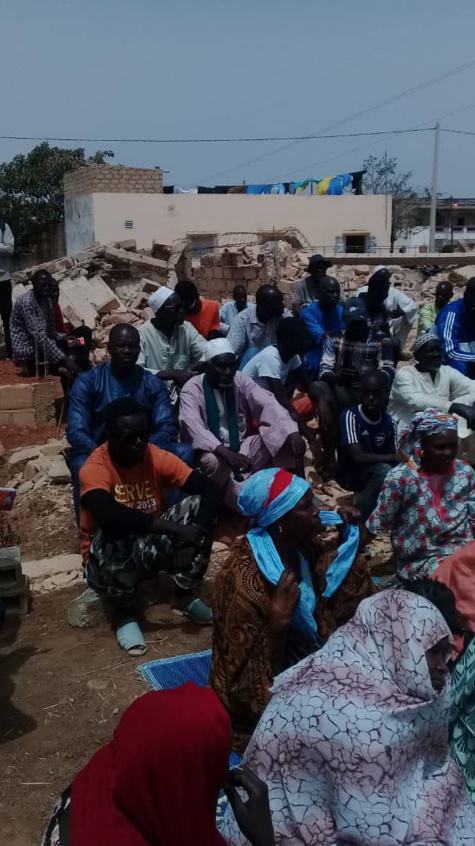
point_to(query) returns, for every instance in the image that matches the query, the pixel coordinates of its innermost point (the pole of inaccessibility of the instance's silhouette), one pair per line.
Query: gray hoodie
(7, 247)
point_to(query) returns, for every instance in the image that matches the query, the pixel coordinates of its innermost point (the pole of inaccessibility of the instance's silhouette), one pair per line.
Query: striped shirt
(349, 359)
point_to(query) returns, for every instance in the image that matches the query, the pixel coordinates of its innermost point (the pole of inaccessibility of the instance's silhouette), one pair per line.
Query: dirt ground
(62, 692)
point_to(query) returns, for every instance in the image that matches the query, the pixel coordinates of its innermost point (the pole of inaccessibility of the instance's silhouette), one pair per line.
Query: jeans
(5, 312)
(370, 482)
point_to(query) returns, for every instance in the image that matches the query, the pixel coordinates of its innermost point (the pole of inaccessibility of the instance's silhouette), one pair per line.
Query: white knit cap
(220, 346)
(378, 268)
(159, 297)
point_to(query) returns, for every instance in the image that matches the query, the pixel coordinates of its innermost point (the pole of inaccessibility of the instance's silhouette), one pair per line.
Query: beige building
(109, 203)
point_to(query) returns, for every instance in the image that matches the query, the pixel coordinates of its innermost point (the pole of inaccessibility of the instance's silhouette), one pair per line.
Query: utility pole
(433, 204)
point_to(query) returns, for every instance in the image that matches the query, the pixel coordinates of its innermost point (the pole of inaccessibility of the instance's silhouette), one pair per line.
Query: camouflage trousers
(116, 565)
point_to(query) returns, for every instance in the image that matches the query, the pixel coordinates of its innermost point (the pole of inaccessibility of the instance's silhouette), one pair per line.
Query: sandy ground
(62, 692)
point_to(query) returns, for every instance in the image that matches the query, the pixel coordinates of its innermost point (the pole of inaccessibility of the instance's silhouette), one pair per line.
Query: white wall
(78, 223)
(174, 216)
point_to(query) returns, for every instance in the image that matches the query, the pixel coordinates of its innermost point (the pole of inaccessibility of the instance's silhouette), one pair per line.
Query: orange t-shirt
(137, 487)
(207, 319)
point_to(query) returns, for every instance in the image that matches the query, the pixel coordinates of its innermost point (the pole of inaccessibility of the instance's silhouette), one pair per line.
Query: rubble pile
(108, 284)
(35, 467)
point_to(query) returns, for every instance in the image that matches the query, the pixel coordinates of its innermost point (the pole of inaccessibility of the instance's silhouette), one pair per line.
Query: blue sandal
(130, 638)
(198, 612)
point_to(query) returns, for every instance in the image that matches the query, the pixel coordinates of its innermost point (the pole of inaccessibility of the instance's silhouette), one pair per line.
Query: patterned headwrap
(425, 423)
(423, 339)
(268, 495)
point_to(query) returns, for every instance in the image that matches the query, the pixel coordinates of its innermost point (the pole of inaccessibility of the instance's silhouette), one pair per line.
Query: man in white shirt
(430, 384)
(169, 346)
(255, 327)
(400, 311)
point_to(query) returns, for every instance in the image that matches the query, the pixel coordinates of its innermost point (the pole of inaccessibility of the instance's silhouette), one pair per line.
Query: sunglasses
(132, 437)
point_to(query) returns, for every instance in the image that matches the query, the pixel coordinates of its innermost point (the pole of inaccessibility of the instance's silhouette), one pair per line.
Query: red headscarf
(157, 782)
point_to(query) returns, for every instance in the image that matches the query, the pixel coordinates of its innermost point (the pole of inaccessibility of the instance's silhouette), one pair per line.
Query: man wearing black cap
(308, 290)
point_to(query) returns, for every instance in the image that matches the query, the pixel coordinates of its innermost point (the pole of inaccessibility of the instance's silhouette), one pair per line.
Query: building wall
(79, 223)
(321, 220)
(95, 178)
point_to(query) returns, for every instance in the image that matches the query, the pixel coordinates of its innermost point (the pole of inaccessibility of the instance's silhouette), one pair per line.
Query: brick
(140, 302)
(136, 260)
(24, 417)
(21, 456)
(148, 286)
(130, 244)
(14, 397)
(111, 304)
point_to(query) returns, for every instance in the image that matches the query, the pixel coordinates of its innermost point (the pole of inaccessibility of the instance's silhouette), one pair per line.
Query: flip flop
(198, 612)
(130, 639)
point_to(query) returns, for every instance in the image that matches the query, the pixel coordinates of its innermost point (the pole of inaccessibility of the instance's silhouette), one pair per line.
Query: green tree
(31, 190)
(383, 177)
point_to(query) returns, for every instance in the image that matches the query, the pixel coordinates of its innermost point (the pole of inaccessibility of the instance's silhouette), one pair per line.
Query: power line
(205, 140)
(457, 131)
(361, 113)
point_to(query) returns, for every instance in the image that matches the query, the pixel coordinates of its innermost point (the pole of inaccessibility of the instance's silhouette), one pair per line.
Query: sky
(145, 69)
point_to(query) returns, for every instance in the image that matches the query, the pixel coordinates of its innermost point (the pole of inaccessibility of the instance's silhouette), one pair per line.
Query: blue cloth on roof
(320, 324)
(258, 189)
(92, 392)
(339, 184)
(457, 336)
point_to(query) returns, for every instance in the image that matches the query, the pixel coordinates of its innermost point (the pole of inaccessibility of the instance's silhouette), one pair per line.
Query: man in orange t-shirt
(202, 314)
(126, 536)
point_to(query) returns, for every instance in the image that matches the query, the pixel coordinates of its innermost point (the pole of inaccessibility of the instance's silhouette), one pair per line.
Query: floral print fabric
(354, 743)
(427, 522)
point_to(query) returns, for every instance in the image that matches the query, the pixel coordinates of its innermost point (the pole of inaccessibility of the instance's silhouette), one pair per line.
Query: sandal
(198, 612)
(130, 638)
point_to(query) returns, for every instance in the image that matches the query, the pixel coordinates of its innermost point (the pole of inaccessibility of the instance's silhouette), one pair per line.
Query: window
(355, 243)
(129, 224)
(202, 245)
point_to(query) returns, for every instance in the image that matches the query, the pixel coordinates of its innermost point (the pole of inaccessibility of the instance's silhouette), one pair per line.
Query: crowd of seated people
(336, 690)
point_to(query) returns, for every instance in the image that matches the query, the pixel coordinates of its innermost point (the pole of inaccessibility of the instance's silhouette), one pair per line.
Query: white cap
(219, 346)
(159, 297)
(378, 268)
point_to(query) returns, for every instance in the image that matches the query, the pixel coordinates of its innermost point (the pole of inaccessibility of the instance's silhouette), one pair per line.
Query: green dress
(463, 716)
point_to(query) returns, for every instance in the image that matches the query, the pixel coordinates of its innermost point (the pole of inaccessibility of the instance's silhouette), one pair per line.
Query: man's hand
(189, 535)
(70, 366)
(296, 445)
(181, 377)
(284, 601)
(349, 514)
(253, 817)
(236, 462)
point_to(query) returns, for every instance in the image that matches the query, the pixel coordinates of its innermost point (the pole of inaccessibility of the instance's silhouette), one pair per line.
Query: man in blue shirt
(367, 448)
(323, 318)
(228, 311)
(120, 377)
(455, 325)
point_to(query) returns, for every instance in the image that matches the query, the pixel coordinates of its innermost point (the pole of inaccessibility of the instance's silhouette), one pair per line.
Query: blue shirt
(228, 312)
(457, 336)
(320, 324)
(92, 392)
(374, 437)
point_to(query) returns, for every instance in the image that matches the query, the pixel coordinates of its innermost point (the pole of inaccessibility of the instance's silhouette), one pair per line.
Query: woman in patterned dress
(354, 745)
(280, 595)
(427, 503)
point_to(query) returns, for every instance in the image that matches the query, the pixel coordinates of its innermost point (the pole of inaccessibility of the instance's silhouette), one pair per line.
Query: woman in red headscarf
(157, 782)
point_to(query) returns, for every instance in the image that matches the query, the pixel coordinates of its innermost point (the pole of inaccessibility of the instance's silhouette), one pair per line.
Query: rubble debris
(39, 466)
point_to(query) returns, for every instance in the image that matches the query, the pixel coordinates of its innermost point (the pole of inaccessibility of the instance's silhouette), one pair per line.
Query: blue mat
(168, 673)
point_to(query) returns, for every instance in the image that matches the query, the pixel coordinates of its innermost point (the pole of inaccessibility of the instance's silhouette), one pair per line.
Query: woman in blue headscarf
(280, 594)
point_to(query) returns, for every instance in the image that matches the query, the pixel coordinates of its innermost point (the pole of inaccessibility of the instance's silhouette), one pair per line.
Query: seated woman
(279, 595)
(427, 503)
(157, 782)
(354, 745)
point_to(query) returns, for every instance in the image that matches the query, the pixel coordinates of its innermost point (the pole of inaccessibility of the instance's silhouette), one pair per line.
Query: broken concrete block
(41, 482)
(19, 456)
(112, 304)
(25, 487)
(71, 317)
(85, 611)
(33, 469)
(59, 473)
(154, 266)
(73, 294)
(162, 249)
(140, 302)
(130, 244)
(148, 287)
(47, 567)
(53, 448)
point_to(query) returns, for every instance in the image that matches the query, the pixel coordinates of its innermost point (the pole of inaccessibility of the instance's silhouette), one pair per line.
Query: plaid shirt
(34, 321)
(348, 359)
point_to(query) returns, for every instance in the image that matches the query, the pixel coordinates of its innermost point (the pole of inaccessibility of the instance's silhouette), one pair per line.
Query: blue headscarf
(266, 497)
